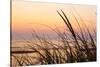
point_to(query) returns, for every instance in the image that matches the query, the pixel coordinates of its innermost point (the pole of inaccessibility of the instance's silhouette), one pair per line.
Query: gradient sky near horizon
(36, 15)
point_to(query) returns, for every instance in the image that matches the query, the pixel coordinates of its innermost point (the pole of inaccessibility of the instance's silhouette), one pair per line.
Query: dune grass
(82, 48)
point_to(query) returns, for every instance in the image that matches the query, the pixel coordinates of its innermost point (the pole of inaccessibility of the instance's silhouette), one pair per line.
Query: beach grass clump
(74, 47)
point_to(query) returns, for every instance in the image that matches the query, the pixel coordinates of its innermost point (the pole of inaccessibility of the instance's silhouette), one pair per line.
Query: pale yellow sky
(28, 15)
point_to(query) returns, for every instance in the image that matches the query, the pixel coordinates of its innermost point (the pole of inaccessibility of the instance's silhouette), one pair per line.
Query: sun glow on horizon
(31, 15)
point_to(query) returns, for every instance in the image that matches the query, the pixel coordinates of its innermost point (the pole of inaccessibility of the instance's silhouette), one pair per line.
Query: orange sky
(30, 15)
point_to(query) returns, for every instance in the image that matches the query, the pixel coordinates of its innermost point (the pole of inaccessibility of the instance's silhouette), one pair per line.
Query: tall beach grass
(73, 47)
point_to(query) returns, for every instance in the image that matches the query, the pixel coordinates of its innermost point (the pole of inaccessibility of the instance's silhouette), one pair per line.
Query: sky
(41, 16)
